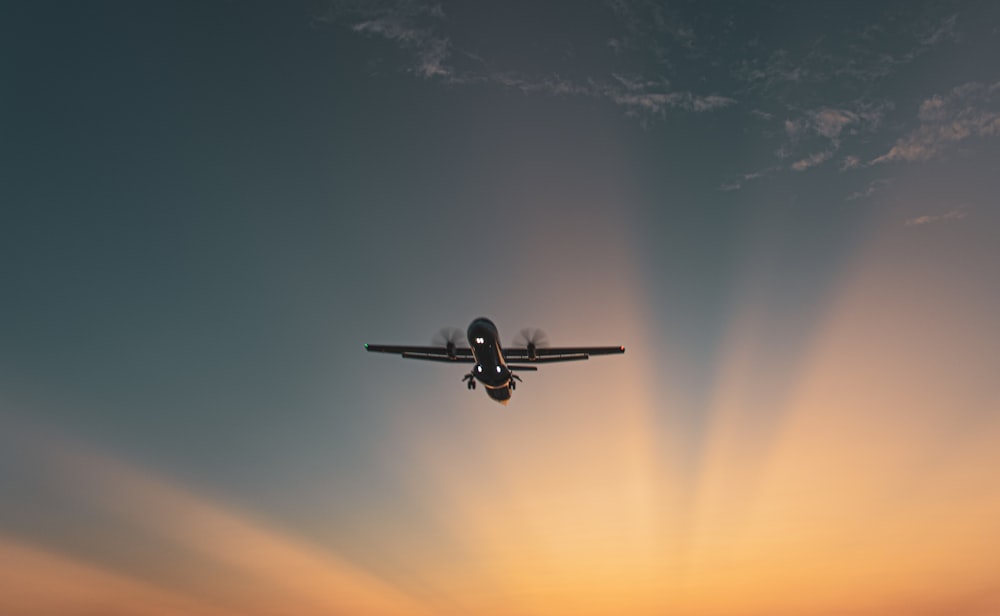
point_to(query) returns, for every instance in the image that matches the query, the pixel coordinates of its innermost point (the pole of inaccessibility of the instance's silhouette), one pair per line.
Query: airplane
(490, 359)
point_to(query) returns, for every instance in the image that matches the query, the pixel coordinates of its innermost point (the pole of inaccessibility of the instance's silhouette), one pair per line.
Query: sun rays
(850, 469)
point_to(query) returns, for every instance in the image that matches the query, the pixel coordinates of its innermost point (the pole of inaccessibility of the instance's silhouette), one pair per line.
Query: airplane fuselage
(491, 370)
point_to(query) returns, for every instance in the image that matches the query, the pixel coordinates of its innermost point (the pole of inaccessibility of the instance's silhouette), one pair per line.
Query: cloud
(431, 60)
(737, 183)
(830, 122)
(850, 162)
(941, 32)
(956, 214)
(637, 83)
(834, 125)
(647, 24)
(430, 52)
(874, 187)
(550, 84)
(812, 160)
(872, 64)
(834, 122)
(410, 25)
(639, 97)
(968, 111)
(779, 69)
(659, 102)
(416, 28)
(777, 80)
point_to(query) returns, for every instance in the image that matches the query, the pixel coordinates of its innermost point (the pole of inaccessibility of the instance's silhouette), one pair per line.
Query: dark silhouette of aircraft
(484, 350)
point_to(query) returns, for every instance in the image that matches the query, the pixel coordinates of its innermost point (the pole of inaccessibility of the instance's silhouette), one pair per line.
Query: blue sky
(786, 212)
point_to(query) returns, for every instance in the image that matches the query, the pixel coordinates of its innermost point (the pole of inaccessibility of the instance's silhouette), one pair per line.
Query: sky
(787, 212)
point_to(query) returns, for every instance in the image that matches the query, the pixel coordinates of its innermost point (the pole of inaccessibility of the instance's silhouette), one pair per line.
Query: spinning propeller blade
(449, 338)
(531, 339)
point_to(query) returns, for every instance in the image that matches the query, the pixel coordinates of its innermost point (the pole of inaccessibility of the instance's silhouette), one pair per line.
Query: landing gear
(471, 381)
(513, 381)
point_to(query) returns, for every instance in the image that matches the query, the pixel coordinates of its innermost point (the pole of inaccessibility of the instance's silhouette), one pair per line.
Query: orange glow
(862, 481)
(202, 558)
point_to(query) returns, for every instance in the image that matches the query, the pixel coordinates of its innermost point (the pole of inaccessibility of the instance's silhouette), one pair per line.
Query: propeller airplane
(490, 359)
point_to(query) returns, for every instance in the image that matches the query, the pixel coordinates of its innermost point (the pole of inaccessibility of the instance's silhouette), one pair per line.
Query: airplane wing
(459, 355)
(553, 354)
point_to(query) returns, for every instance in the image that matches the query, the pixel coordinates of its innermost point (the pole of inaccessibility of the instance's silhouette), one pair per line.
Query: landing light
(498, 369)
(479, 340)
(479, 368)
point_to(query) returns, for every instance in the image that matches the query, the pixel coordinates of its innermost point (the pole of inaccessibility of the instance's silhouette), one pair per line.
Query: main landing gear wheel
(471, 381)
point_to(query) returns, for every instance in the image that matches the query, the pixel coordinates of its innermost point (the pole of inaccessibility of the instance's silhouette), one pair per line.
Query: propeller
(532, 339)
(449, 338)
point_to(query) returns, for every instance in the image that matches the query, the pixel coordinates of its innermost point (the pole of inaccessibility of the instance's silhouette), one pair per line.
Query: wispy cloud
(967, 112)
(850, 162)
(956, 214)
(834, 122)
(655, 59)
(431, 52)
(830, 122)
(647, 24)
(659, 102)
(408, 24)
(776, 81)
(874, 187)
(870, 62)
(642, 99)
(780, 68)
(812, 160)
(827, 123)
(739, 181)
(940, 32)
(417, 29)
(815, 136)
(832, 125)
(549, 84)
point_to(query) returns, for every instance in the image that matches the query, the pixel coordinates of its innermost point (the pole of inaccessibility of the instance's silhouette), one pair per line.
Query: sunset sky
(787, 212)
